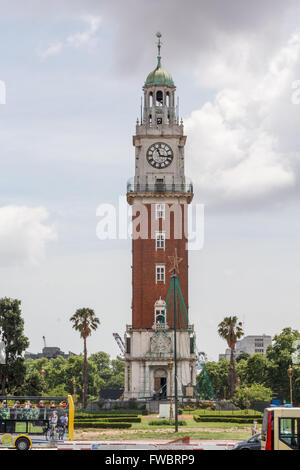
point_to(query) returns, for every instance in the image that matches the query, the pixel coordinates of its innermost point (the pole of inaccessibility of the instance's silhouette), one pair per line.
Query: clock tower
(159, 195)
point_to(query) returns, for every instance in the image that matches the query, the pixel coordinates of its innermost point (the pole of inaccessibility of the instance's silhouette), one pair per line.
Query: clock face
(159, 155)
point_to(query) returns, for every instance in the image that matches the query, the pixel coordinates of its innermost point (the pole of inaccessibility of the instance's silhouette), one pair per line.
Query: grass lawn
(192, 429)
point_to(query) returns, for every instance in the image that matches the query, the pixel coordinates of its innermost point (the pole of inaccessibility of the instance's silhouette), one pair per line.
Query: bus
(35, 421)
(281, 429)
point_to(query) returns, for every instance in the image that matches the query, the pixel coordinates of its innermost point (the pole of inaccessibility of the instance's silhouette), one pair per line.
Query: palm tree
(84, 320)
(231, 330)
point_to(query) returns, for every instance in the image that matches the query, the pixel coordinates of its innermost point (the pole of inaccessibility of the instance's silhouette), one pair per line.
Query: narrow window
(128, 345)
(160, 316)
(160, 211)
(168, 99)
(151, 99)
(159, 98)
(192, 345)
(160, 240)
(128, 378)
(160, 273)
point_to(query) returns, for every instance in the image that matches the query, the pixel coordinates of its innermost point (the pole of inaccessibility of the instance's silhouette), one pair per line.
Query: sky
(73, 73)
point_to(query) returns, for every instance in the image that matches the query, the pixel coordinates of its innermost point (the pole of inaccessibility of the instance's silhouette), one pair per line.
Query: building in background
(48, 353)
(249, 344)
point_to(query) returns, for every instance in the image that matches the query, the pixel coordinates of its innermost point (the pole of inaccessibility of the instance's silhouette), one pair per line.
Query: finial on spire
(158, 35)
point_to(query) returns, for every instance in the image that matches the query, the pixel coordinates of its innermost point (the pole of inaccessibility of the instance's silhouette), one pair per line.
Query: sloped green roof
(159, 76)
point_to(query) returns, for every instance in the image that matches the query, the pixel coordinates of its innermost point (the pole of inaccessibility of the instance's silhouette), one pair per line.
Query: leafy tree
(101, 359)
(256, 392)
(241, 370)
(103, 364)
(118, 373)
(12, 334)
(242, 356)
(58, 391)
(279, 356)
(85, 321)
(34, 383)
(218, 376)
(118, 365)
(59, 374)
(257, 369)
(231, 330)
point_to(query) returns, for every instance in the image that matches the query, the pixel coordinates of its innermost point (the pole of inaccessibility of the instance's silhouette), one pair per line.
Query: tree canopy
(15, 342)
(262, 373)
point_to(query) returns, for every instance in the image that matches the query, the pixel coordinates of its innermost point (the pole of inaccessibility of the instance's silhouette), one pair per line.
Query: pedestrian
(53, 423)
(254, 428)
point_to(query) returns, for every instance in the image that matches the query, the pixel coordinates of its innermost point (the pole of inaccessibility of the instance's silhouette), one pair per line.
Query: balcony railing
(159, 187)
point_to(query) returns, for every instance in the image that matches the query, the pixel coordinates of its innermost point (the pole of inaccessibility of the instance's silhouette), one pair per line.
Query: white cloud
(23, 235)
(86, 38)
(53, 49)
(237, 150)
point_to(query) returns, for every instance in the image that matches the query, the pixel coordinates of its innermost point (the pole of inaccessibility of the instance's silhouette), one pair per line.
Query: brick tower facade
(159, 194)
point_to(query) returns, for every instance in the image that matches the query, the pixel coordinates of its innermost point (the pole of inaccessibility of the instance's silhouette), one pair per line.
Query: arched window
(159, 98)
(160, 312)
(150, 99)
(168, 99)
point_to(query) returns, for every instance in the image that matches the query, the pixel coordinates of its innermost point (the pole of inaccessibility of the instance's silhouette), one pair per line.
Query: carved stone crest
(161, 344)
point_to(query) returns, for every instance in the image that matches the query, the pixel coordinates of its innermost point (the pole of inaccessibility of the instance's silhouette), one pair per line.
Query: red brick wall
(145, 290)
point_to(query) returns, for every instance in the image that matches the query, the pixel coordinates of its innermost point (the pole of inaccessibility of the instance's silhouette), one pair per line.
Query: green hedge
(114, 419)
(166, 422)
(108, 416)
(101, 425)
(236, 413)
(114, 412)
(251, 417)
(226, 419)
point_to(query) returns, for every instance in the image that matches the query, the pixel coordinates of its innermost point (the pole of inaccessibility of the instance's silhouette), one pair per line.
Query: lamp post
(175, 352)
(43, 375)
(170, 365)
(74, 389)
(290, 374)
(247, 403)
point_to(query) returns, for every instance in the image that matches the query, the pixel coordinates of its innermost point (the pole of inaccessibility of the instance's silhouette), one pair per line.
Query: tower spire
(158, 35)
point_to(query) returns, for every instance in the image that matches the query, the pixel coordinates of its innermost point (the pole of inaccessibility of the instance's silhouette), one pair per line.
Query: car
(254, 443)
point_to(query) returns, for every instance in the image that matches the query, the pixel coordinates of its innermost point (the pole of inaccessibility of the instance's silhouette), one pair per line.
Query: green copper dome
(159, 76)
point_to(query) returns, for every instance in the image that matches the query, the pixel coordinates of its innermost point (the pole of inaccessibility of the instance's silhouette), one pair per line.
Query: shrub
(105, 416)
(131, 412)
(114, 419)
(206, 405)
(236, 413)
(166, 422)
(227, 419)
(101, 425)
(257, 392)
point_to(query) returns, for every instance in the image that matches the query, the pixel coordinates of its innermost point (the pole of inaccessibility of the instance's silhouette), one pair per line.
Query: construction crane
(120, 342)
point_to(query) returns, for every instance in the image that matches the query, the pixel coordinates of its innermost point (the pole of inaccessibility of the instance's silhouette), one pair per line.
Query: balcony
(159, 187)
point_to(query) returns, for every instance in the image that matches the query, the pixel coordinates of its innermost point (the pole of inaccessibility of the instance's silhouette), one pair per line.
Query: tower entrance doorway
(160, 384)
